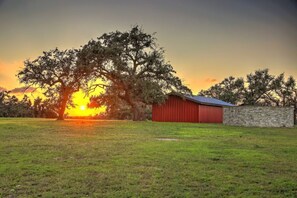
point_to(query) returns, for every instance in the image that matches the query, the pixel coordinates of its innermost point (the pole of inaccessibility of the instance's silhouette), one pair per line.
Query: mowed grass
(80, 158)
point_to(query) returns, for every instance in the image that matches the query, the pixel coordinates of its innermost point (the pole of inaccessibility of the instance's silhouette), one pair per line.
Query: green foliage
(133, 69)
(44, 158)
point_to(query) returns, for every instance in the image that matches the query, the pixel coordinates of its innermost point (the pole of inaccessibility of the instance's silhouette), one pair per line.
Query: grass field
(79, 158)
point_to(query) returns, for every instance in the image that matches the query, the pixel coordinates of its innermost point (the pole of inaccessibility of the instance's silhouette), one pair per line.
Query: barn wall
(210, 114)
(175, 109)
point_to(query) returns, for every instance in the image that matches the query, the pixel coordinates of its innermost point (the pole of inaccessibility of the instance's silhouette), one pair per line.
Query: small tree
(133, 67)
(56, 72)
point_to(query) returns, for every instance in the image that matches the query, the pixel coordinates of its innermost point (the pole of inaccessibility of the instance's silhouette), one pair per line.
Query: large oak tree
(133, 66)
(56, 72)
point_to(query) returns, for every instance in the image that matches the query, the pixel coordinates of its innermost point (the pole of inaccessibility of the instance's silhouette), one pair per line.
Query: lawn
(80, 158)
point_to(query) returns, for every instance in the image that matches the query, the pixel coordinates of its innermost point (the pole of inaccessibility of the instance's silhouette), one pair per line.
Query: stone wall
(259, 116)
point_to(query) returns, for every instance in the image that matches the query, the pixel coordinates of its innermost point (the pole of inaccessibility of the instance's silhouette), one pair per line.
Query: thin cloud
(2, 89)
(23, 90)
(211, 80)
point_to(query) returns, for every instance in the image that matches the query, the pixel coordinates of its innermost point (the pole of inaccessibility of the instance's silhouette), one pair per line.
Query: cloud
(23, 90)
(210, 80)
(2, 89)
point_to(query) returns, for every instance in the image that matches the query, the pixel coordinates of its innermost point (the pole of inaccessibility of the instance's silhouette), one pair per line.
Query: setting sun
(81, 106)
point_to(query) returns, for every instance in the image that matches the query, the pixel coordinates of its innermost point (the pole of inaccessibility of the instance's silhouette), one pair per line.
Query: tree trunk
(295, 113)
(62, 108)
(137, 113)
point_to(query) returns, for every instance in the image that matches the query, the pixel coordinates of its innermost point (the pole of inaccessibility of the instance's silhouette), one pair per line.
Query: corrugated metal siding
(175, 109)
(210, 114)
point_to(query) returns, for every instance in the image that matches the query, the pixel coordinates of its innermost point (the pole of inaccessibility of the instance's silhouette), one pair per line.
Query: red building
(189, 109)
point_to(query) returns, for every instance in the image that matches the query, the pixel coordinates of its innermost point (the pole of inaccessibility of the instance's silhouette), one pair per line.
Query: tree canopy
(56, 72)
(132, 68)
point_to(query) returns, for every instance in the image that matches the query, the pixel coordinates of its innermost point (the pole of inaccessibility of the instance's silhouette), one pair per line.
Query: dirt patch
(167, 139)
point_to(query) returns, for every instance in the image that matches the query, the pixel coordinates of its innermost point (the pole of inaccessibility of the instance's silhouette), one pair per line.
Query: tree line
(11, 106)
(258, 88)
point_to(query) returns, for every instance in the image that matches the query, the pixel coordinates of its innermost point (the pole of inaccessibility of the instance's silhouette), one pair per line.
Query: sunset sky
(205, 41)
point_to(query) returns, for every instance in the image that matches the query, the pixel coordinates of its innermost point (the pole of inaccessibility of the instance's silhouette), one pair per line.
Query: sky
(204, 40)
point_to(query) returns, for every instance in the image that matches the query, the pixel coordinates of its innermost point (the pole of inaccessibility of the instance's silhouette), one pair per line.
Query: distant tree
(50, 108)
(258, 84)
(56, 72)
(4, 103)
(260, 88)
(44, 108)
(230, 89)
(133, 67)
(280, 91)
(38, 107)
(11, 106)
(24, 107)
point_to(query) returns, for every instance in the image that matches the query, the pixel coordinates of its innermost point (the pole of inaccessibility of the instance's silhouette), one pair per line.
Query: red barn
(189, 109)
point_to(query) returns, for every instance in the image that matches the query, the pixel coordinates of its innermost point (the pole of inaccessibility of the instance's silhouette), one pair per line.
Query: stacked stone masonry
(259, 116)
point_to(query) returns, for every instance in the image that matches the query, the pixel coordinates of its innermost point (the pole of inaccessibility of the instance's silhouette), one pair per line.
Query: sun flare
(82, 107)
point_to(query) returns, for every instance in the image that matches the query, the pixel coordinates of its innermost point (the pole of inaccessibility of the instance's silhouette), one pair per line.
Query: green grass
(77, 158)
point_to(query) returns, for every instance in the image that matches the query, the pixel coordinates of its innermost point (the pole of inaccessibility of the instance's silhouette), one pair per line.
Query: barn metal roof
(208, 101)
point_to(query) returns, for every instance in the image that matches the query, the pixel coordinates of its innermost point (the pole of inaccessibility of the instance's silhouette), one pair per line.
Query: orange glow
(81, 102)
(79, 99)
